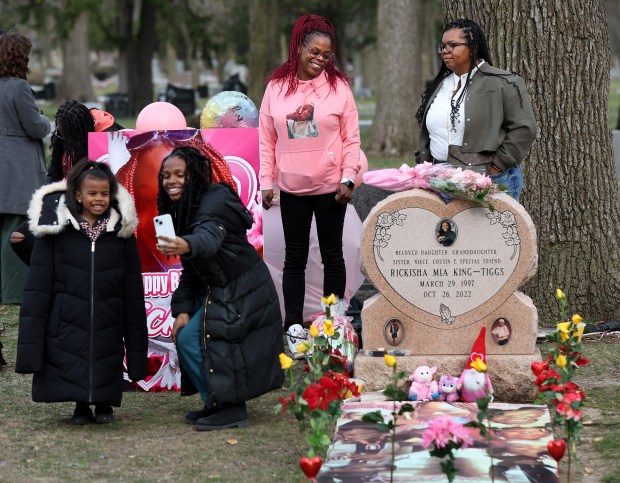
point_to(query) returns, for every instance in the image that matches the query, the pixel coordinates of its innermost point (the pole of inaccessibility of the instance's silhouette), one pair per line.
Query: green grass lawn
(149, 442)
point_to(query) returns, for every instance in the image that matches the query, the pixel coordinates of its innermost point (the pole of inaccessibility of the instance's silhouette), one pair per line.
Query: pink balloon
(160, 116)
(363, 169)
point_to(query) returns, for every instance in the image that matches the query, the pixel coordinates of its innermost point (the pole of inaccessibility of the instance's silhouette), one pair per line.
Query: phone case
(164, 226)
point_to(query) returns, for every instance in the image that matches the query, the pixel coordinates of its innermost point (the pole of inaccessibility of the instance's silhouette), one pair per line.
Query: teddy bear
(447, 388)
(423, 387)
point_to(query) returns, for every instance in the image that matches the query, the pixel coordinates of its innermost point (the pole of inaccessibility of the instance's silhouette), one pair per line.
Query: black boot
(192, 416)
(231, 417)
(82, 414)
(103, 414)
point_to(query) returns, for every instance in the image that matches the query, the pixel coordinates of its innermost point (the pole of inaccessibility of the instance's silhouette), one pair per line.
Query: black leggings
(297, 214)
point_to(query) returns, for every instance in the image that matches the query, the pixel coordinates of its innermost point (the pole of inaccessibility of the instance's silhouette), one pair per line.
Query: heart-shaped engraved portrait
(447, 264)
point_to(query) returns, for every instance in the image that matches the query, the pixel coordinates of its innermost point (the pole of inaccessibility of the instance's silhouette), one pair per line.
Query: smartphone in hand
(164, 226)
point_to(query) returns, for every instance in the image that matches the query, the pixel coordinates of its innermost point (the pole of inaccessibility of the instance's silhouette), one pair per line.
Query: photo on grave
(394, 332)
(501, 331)
(446, 232)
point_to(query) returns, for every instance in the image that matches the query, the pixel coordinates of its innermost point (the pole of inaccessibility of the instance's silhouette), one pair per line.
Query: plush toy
(447, 388)
(423, 388)
(474, 381)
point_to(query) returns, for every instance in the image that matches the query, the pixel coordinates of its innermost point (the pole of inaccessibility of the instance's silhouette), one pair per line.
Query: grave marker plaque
(443, 271)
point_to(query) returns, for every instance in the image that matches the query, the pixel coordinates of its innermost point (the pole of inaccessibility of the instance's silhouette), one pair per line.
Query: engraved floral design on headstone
(508, 221)
(384, 222)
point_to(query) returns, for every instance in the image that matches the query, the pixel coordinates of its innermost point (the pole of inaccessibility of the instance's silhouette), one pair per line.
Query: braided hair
(197, 181)
(479, 49)
(306, 27)
(70, 140)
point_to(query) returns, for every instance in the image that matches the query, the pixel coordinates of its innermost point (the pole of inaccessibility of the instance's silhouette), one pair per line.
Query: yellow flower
(561, 360)
(577, 319)
(579, 333)
(564, 328)
(302, 348)
(328, 327)
(479, 365)
(390, 360)
(314, 332)
(285, 361)
(559, 295)
(331, 300)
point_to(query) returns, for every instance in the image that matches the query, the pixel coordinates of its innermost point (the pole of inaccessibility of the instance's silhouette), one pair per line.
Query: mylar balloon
(229, 109)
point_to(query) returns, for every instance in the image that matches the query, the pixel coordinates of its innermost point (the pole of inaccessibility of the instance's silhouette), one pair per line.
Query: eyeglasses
(141, 139)
(449, 47)
(326, 56)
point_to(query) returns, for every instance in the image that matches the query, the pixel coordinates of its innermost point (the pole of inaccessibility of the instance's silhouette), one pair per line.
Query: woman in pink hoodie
(310, 148)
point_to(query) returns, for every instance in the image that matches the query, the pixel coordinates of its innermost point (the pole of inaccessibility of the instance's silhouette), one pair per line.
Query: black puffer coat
(241, 333)
(83, 304)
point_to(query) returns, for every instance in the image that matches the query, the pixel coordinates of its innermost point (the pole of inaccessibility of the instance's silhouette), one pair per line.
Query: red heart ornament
(556, 449)
(538, 367)
(311, 467)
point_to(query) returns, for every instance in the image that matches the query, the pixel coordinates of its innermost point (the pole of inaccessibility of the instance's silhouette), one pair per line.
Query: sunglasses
(140, 140)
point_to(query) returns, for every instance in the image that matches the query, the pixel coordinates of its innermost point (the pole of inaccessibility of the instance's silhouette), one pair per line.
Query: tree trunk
(124, 21)
(76, 82)
(394, 129)
(264, 46)
(141, 55)
(561, 49)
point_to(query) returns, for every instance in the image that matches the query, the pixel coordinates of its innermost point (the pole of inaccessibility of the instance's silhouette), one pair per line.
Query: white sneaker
(295, 335)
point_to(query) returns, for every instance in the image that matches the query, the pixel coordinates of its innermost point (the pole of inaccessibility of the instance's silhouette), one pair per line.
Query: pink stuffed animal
(447, 388)
(423, 388)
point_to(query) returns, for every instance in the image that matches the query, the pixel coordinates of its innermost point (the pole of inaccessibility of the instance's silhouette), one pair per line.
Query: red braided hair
(305, 27)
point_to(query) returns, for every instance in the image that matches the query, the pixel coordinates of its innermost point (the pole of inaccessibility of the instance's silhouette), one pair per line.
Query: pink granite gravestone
(443, 271)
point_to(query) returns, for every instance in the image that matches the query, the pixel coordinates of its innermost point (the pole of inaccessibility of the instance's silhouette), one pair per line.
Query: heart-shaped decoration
(311, 467)
(438, 279)
(556, 449)
(538, 367)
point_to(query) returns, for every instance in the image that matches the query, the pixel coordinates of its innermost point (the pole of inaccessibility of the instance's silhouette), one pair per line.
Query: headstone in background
(184, 99)
(117, 104)
(435, 296)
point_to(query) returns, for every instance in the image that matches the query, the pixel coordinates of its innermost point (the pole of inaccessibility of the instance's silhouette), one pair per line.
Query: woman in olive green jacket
(476, 106)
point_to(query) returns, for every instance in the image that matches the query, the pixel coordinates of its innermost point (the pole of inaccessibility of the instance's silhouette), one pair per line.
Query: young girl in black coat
(82, 310)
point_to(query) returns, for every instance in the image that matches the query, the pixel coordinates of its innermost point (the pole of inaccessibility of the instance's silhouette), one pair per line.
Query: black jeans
(297, 214)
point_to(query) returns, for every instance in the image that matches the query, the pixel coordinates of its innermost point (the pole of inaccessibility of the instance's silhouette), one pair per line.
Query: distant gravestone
(443, 271)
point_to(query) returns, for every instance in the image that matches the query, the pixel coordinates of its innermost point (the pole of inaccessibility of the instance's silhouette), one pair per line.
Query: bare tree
(561, 49)
(395, 131)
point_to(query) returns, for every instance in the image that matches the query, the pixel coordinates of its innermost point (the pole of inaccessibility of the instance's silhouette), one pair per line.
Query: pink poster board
(135, 158)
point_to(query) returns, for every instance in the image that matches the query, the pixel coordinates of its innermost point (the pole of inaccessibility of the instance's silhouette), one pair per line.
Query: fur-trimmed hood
(48, 213)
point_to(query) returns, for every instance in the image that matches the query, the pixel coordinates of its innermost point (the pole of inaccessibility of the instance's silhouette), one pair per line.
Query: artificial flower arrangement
(555, 386)
(316, 394)
(441, 178)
